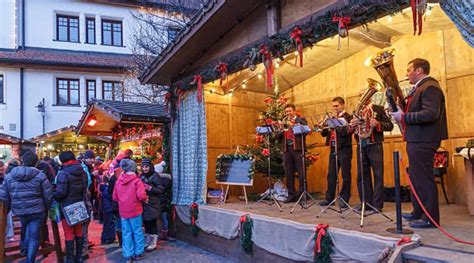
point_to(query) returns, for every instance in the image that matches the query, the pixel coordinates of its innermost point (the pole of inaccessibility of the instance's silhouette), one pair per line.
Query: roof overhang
(207, 27)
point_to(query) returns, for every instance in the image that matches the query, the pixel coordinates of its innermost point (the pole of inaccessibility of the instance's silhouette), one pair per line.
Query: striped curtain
(461, 13)
(189, 151)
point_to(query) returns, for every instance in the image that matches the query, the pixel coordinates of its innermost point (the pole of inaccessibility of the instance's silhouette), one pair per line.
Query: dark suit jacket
(344, 136)
(298, 138)
(425, 117)
(385, 124)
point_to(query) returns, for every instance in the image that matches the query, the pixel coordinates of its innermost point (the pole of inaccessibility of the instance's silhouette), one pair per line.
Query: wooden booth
(225, 46)
(141, 127)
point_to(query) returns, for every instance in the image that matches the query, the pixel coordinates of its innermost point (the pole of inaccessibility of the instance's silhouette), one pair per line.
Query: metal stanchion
(398, 201)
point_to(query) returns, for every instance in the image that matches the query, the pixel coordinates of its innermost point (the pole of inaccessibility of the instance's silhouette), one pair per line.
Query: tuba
(364, 113)
(382, 62)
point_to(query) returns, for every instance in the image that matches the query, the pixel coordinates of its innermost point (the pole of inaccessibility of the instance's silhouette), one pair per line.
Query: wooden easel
(45, 249)
(237, 151)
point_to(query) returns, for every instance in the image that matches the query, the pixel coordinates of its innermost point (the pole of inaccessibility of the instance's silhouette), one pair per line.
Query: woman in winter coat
(129, 192)
(151, 210)
(71, 186)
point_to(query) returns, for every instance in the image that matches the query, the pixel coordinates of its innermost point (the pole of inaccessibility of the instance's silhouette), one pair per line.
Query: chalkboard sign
(235, 169)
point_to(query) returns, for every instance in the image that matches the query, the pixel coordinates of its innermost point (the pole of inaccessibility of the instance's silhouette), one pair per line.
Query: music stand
(267, 130)
(334, 123)
(303, 199)
(363, 201)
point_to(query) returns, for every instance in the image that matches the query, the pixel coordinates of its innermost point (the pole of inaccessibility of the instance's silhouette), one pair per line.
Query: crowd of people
(118, 194)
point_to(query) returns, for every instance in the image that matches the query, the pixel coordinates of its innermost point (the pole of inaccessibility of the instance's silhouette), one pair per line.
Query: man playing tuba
(369, 123)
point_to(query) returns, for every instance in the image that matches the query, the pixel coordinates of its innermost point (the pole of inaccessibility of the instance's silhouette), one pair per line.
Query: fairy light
(259, 76)
(297, 53)
(244, 85)
(390, 18)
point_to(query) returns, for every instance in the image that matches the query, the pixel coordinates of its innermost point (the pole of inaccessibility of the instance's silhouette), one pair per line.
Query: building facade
(56, 55)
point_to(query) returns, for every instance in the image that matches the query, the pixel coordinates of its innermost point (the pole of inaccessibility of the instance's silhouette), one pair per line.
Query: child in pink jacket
(129, 192)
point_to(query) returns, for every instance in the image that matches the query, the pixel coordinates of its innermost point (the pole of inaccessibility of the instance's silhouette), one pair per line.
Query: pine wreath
(246, 224)
(323, 244)
(194, 217)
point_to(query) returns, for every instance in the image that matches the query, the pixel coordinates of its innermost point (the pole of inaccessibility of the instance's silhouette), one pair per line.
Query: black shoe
(409, 217)
(325, 203)
(139, 257)
(422, 224)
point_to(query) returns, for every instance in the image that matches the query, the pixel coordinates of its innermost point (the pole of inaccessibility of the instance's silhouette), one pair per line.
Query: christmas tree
(270, 144)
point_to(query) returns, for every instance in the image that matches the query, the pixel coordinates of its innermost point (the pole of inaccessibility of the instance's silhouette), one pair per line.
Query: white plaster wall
(10, 111)
(41, 23)
(42, 84)
(8, 24)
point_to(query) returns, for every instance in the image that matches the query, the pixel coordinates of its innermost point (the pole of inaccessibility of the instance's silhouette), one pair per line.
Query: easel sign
(235, 169)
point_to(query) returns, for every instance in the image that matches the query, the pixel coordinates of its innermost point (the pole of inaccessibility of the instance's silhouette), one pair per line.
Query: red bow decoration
(222, 69)
(193, 207)
(198, 80)
(268, 100)
(243, 218)
(320, 231)
(342, 27)
(268, 63)
(180, 93)
(296, 38)
(418, 9)
(259, 138)
(403, 240)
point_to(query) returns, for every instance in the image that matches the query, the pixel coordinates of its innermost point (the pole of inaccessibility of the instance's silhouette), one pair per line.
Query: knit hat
(147, 162)
(66, 156)
(128, 165)
(128, 153)
(89, 154)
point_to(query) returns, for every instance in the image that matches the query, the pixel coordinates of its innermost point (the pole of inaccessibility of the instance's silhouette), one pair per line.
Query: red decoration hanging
(197, 80)
(180, 94)
(418, 8)
(222, 69)
(266, 152)
(342, 28)
(298, 42)
(321, 231)
(268, 63)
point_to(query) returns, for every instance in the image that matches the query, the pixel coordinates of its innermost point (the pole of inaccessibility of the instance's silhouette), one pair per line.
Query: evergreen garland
(246, 224)
(194, 217)
(323, 249)
(315, 28)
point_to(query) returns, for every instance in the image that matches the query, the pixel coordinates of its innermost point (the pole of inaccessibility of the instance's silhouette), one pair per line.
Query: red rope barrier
(428, 215)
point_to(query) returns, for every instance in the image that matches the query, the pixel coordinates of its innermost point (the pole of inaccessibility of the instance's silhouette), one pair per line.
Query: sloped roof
(110, 112)
(59, 57)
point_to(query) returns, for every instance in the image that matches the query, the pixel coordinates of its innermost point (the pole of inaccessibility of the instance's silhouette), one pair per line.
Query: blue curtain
(461, 13)
(189, 151)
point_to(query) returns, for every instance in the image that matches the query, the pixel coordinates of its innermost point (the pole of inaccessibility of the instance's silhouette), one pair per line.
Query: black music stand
(334, 123)
(267, 130)
(305, 195)
(364, 203)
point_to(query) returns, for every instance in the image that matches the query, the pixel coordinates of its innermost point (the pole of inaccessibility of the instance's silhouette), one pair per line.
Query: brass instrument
(365, 113)
(382, 62)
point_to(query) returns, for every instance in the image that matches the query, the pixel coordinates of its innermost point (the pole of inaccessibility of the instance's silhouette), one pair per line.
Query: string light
(259, 76)
(390, 18)
(244, 86)
(297, 53)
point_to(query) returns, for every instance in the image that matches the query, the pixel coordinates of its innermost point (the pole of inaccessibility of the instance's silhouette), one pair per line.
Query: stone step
(437, 254)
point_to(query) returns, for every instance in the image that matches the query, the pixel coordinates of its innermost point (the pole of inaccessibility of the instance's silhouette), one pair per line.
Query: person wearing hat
(129, 192)
(27, 191)
(151, 210)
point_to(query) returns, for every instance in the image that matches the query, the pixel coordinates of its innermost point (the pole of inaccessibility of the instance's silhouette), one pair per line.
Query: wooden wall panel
(461, 105)
(217, 117)
(459, 55)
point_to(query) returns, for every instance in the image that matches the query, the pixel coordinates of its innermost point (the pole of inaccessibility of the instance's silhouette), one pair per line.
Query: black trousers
(372, 160)
(151, 227)
(292, 161)
(421, 158)
(344, 156)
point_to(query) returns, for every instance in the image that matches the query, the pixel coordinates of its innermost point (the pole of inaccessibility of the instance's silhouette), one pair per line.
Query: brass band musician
(339, 138)
(369, 127)
(292, 151)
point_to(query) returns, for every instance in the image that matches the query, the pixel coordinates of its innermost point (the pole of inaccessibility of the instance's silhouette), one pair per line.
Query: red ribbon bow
(180, 93)
(268, 62)
(403, 240)
(198, 80)
(343, 21)
(193, 220)
(243, 218)
(222, 69)
(296, 37)
(321, 231)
